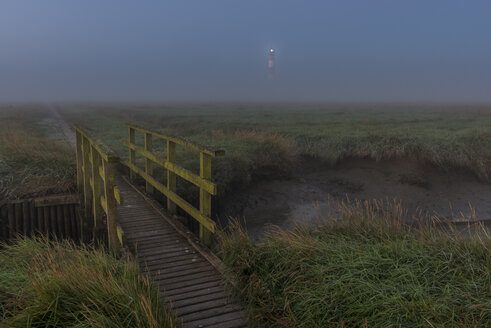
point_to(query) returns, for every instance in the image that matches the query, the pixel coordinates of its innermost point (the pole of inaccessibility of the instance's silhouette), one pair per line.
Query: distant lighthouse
(271, 63)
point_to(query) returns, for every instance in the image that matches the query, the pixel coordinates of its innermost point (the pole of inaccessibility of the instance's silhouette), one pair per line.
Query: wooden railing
(95, 177)
(203, 180)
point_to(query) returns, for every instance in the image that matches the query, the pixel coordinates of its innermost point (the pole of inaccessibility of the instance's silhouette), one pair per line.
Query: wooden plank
(78, 156)
(210, 312)
(174, 168)
(211, 304)
(32, 218)
(190, 277)
(73, 222)
(87, 189)
(194, 294)
(179, 141)
(148, 162)
(96, 193)
(57, 200)
(66, 221)
(18, 218)
(205, 198)
(227, 320)
(192, 288)
(25, 218)
(178, 267)
(11, 220)
(47, 221)
(218, 295)
(114, 239)
(166, 260)
(60, 221)
(167, 263)
(4, 222)
(171, 175)
(53, 222)
(132, 155)
(174, 255)
(198, 269)
(188, 208)
(188, 283)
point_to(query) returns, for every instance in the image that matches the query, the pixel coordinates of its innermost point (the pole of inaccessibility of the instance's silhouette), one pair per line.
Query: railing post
(171, 176)
(112, 214)
(96, 192)
(78, 153)
(148, 162)
(131, 135)
(205, 197)
(86, 174)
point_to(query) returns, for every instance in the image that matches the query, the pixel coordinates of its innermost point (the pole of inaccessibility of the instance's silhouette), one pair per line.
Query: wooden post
(66, 221)
(33, 219)
(96, 193)
(59, 221)
(205, 197)
(148, 162)
(131, 133)
(54, 224)
(5, 224)
(112, 214)
(18, 218)
(25, 218)
(47, 222)
(86, 176)
(78, 153)
(171, 176)
(40, 217)
(11, 216)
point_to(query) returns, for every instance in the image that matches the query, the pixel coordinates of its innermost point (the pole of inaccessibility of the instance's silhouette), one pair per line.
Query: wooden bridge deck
(189, 281)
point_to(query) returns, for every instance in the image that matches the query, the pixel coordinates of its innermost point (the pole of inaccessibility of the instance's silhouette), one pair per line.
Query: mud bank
(316, 188)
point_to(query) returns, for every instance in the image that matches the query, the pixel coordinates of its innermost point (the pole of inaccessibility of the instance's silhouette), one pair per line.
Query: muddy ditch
(316, 188)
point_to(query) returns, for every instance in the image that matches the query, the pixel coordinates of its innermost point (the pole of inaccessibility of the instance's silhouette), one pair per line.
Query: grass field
(367, 270)
(50, 284)
(35, 159)
(263, 139)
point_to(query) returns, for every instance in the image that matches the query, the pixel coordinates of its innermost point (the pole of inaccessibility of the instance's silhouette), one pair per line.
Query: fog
(216, 50)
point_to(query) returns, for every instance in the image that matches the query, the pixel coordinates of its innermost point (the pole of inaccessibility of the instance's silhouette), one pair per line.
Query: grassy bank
(35, 160)
(367, 270)
(48, 284)
(264, 139)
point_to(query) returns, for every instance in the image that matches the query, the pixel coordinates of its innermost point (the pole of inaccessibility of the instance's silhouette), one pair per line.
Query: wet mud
(316, 188)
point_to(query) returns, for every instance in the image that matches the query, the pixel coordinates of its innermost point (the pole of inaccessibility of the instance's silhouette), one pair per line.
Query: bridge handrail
(95, 177)
(203, 180)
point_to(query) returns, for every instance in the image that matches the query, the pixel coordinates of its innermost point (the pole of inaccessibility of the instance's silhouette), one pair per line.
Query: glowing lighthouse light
(271, 63)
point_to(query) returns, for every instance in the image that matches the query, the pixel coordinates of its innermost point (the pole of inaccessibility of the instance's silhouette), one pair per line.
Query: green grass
(50, 284)
(35, 160)
(367, 270)
(265, 140)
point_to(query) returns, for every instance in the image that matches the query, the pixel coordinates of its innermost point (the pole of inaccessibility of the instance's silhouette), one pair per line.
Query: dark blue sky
(216, 50)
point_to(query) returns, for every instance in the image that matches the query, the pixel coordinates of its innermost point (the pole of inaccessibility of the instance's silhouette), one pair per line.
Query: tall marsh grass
(32, 161)
(50, 284)
(366, 268)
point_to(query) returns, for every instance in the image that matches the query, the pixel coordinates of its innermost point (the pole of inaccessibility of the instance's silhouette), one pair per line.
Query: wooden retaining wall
(54, 216)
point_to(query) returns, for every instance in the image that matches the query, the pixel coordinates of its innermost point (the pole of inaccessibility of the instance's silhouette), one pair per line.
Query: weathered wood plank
(210, 313)
(193, 288)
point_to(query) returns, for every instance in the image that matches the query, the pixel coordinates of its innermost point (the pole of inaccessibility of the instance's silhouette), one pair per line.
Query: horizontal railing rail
(95, 177)
(203, 180)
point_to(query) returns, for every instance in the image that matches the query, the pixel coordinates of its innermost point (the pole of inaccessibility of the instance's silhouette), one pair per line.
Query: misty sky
(342, 50)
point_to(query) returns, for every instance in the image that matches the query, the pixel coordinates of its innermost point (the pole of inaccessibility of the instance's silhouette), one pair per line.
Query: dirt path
(317, 188)
(65, 128)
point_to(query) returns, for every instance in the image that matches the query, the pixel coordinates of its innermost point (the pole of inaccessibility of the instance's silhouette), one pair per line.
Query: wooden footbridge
(189, 275)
